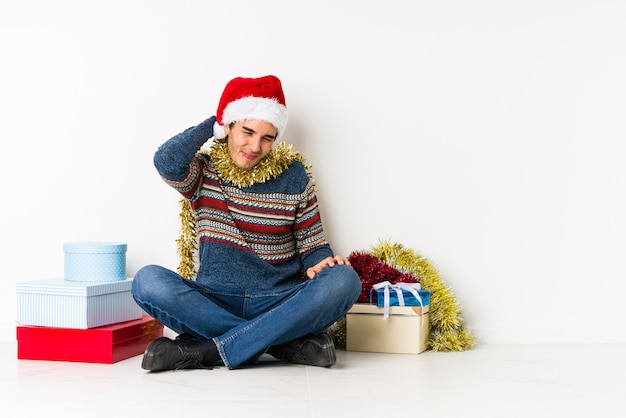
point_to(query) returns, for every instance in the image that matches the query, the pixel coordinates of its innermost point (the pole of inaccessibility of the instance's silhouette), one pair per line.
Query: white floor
(489, 381)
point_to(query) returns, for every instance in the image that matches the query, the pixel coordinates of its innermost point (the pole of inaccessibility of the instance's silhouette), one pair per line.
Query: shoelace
(191, 357)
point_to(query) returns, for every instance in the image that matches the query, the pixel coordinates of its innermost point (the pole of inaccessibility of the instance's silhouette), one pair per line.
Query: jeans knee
(345, 282)
(143, 276)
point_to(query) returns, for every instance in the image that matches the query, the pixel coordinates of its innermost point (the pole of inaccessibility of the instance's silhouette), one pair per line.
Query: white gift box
(65, 304)
(405, 330)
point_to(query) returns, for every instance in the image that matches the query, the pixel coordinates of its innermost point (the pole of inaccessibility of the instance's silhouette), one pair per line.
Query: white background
(485, 135)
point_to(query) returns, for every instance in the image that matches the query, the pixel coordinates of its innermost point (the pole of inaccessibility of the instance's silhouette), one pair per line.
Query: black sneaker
(165, 354)
(312, 350)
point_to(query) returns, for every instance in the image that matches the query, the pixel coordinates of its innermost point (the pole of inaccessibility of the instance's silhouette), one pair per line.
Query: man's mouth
(249, 157)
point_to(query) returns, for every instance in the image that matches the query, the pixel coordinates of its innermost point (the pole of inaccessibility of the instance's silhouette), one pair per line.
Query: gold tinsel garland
(271, 166)
(187, 241)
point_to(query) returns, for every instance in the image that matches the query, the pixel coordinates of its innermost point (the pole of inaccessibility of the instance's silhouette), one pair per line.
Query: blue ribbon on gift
(398, 288)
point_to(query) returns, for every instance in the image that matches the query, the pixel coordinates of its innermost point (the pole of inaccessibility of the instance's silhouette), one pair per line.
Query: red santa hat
(251, 98)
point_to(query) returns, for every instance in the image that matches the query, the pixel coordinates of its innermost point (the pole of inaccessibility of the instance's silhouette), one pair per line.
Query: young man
(267, 280)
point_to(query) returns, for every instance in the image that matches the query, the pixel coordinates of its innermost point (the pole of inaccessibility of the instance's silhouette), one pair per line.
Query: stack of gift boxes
(89, 315)
(395, 321)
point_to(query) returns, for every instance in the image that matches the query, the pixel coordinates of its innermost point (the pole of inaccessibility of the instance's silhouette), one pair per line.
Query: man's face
(249, 141)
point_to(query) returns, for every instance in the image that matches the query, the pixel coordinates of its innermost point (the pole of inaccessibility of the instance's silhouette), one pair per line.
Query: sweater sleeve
(309, 232)
(176, 160)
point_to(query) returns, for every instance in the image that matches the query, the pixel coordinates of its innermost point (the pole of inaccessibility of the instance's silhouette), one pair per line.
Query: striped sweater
(258, 237)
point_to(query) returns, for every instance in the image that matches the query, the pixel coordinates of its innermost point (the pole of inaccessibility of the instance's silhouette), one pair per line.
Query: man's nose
(255, 143)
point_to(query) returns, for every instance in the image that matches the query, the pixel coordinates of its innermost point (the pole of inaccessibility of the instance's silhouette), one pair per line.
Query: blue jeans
(243, 323)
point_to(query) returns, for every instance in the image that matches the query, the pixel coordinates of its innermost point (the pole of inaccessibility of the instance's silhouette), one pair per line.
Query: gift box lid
(70, 288)
(94, 247)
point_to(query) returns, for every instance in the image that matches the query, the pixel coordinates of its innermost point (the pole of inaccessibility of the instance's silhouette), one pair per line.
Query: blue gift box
(95, 261)
(377, 297)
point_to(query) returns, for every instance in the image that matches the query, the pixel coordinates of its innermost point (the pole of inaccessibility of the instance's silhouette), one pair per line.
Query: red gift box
(107, 344)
